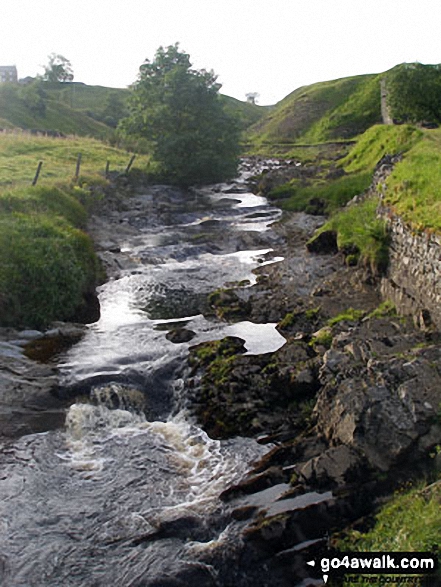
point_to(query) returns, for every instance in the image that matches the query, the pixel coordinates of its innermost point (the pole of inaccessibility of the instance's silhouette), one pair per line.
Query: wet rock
(253, 394)
(256, 482)
(316, 206)
(325, 242)
(336, 467)
(382, 411)
(27, 400)
(180, 335)
(30, 334)
(289, 522)
(58, 339)
(228, 305)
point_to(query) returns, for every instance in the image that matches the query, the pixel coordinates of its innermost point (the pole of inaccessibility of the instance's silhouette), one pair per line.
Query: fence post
(77, 171)
(106, 173)
(130, 163)
(37, 174)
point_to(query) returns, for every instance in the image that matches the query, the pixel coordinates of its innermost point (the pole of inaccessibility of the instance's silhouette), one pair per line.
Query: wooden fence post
(130, 163)
(37, 174)
(106, 174)
(77, 171)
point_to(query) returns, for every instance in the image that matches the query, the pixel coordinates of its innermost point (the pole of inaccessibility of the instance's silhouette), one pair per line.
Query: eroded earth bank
(240, 400)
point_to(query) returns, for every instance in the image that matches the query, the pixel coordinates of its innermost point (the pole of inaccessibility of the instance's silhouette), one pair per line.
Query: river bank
(351, 402)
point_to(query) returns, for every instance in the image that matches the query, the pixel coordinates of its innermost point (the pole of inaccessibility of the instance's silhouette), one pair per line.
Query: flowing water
(127, 492)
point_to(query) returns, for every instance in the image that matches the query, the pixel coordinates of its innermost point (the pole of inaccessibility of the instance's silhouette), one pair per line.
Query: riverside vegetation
(48, 268)
(49, 264)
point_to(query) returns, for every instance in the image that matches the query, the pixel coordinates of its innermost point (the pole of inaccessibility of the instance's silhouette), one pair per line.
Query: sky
(271, 47)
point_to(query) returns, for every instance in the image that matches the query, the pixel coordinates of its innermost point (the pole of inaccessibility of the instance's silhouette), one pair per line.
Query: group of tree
(179, 111)
(176, 109)
(414, 93)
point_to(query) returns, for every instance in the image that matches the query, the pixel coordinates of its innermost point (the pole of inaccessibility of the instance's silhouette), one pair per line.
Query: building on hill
(8, 73)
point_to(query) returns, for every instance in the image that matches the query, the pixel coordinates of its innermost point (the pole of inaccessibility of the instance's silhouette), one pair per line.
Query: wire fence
(78, 168)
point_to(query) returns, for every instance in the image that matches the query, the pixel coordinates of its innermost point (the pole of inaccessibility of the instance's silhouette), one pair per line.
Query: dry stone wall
(413, 280)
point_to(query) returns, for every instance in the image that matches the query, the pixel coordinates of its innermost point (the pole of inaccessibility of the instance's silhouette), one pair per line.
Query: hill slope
(21, 107)
(76, 108)
(326, 111)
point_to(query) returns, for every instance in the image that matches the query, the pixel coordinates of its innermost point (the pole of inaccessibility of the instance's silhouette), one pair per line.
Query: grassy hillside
(83, 97)
(247, 114)
(21, 152)
(76, 108)
(326, 111)
(18, 110)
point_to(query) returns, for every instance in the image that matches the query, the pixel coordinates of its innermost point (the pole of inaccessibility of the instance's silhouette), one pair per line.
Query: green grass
(21, 152)
(45, 268)
(84, 97)
(79, 109)
(326, 111)
(414, 187)
(48, 263)
(58, 116)
(350, 315)
(51, 201)
(362, 233)
(378, 141)
(335, 194)
(386, 308)
(246, 114)
(409, 522)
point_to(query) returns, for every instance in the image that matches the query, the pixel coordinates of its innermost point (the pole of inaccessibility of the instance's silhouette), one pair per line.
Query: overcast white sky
(267, 46)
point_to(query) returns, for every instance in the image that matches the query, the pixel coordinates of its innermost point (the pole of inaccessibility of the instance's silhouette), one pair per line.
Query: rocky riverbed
(346, 407)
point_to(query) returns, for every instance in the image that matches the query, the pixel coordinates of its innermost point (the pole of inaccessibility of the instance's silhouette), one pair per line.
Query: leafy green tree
(34, 97)
(114, 110)
(58, 69)
(179, 110)
(414, 93)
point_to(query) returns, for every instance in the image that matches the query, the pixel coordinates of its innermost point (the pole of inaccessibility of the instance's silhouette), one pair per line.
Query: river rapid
(127, 492)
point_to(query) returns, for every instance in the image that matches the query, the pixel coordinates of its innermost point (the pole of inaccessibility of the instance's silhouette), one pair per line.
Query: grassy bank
(47, 267)
(409, 522)
(352, 172)
(48, 264)
(359, 233)
(21, 152)
(414, 187)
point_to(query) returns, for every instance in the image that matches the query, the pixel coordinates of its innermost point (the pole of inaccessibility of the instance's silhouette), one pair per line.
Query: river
(127, 492)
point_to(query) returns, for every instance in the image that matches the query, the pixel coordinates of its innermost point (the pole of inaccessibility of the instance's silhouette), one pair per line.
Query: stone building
(8, 73)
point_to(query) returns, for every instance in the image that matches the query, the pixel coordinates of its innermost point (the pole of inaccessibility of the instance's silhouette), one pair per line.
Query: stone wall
(385, 112)
(413, 280)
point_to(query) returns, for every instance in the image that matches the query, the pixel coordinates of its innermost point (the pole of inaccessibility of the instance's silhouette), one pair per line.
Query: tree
(252, 97)
(179, 110)
(114, 110)
(414, 93)
(34, 97)
(58, 69)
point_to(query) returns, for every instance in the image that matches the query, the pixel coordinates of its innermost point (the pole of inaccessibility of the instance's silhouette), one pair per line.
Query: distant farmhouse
(8, 73)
